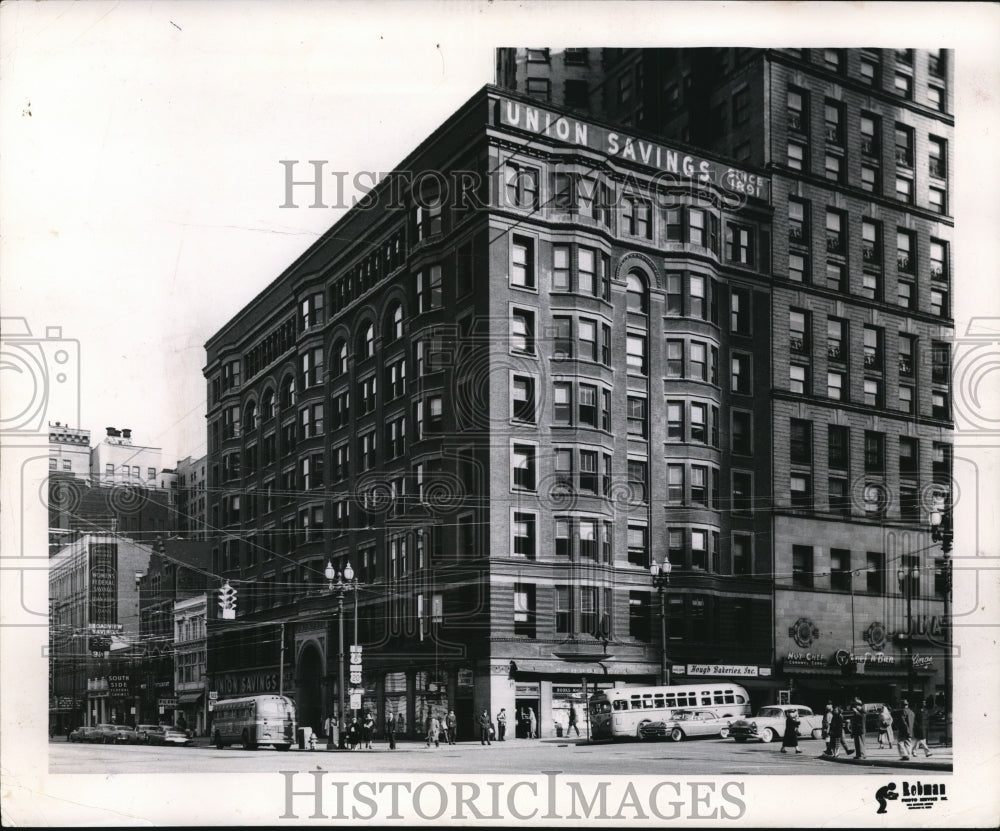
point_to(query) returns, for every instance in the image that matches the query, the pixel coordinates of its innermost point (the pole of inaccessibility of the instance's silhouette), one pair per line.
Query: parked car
(123, 734)
(169, 735)
(143, 731)
(769, 723)
(686, 724)
(86, 734)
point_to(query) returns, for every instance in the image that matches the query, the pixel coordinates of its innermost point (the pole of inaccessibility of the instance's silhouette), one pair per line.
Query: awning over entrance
(577, 669)
(189, 697)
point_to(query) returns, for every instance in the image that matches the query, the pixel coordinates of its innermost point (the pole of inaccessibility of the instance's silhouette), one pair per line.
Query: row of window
(872, 575)
(870, 71)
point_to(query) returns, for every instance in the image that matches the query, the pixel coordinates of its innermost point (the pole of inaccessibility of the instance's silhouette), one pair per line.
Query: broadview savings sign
(678, 164)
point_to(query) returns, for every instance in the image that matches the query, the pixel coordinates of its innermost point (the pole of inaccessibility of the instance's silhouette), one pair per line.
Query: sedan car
(686, 724)
(169, 735)
(143, 731)
(123, 734)
(769, 723)
(86, 734)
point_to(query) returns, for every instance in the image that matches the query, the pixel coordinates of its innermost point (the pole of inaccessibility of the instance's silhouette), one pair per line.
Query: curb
(875, 762)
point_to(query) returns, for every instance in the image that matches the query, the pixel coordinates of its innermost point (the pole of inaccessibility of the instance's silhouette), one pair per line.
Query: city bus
(253, 721)
(620, 712)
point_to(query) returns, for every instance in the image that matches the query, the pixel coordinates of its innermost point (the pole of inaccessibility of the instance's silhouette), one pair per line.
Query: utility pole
(281, 663)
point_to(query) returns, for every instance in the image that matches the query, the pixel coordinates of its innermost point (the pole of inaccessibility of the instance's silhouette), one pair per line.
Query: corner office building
(552, 352)
(500, 393)
(856, 144)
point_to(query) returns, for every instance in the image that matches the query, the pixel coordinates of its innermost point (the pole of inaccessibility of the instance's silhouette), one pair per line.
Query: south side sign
(678, 164)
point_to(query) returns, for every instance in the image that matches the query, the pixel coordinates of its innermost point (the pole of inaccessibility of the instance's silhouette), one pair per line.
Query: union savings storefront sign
(252, 683)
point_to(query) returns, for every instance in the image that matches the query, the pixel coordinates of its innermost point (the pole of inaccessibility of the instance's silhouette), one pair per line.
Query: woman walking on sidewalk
(791, 737)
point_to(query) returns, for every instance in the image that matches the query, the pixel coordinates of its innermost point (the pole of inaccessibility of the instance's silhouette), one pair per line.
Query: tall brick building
(854, 447)
(502, 390)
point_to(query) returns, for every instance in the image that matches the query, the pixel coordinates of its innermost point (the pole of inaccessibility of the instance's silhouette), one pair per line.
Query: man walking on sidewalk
(450, 726)
(484, 728)
(921, 729)
(502, 724)
(858, 728)
(905, 731)
(390, 730)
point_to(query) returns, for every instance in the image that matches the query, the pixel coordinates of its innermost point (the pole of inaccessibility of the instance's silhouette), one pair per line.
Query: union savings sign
(676, 164)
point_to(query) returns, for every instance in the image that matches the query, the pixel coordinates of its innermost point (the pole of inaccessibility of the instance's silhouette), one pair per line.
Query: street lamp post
(660, 573)
(906, 578)
(338, 584)
(941, 531)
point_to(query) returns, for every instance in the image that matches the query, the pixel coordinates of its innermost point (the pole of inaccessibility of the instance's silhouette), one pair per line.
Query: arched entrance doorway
(309, 691)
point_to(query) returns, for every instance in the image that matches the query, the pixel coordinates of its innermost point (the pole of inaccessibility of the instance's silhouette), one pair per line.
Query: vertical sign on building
(103, 583)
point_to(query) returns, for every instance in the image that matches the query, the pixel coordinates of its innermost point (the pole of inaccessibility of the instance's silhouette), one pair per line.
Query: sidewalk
(941, 758)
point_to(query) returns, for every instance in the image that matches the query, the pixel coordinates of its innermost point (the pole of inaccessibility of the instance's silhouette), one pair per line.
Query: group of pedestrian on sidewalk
(908, 726)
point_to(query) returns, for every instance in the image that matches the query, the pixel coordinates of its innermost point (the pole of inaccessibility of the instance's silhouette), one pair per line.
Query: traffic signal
(227, 601)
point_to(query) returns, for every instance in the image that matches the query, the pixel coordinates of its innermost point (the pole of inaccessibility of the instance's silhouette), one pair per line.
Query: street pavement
(701, 757)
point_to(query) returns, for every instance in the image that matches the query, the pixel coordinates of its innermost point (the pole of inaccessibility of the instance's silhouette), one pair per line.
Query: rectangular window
(522, 331)
(739, 310)
(796, 155)
(742, 433)
(832, 167)
(905, 260)
(524, 535)
(524, 609)
(699, 549)
(675, 359)
(636, 353)
(836, 336)
(522, 186)
(562, 337)
(838, 439)
(562, 402)
(699, 485)
(739, 244)
(798, 334)
(797, 268)
(835, 240)
(798, 379)
(588, 539)
(696, 297)
(940, 362)
(563, 537)
(874, 452)
(638, 545)
(936, 198)
(835, 386)
(742, 554)
(939, 303)
(588, 609)
(801, 442)
(675, 421)
(587, 273)
(742, 381)
(833, 113)
(800, 486)
(639, 616)
(698, 423)
(906, 399)
(699, 361)
(675, 484)
(675, 299)
(873, 392)
(798, 228)
(523, 467)
(742, 492)
(636, 416)
(875, 573)
(588, 405)
(522, 262)
(587, 333)
(873, 348)
(835, 276)
(524, 398)
(637, 481)
(840, 503)
(840, 569)
(588, 471)
(938, 260)
(560, 268)
(563, 610)
(802, 566)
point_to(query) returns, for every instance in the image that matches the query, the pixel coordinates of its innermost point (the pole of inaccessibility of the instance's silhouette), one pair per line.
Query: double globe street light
(339, 584)
(660, 572)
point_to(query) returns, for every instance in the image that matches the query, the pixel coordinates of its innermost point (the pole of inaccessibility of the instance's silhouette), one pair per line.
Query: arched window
(267, 405)
(366, 342)
(287, 397)
(250, 416)
(635, 287)
(339, 366)
(394, 323)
